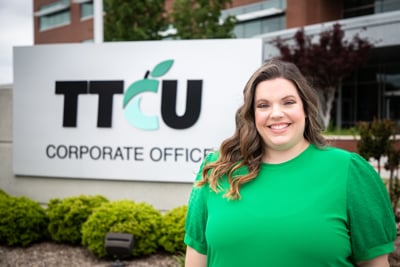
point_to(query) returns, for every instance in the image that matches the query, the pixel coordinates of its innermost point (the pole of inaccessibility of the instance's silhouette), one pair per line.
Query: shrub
(67, 216)
(377, 139)
(180, 258)
(3, 193)
(172, 230)
(139, 219)
(22, 221)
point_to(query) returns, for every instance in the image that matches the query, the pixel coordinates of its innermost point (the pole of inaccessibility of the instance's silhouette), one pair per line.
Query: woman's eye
(262, 105)
(289, 102)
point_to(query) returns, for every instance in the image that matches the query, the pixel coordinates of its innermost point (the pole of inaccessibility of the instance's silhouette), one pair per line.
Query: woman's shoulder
(338, 155)
(332, 152)
(340, 152)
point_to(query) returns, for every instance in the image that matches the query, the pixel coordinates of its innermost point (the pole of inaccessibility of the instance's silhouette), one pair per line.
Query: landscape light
(119, 245)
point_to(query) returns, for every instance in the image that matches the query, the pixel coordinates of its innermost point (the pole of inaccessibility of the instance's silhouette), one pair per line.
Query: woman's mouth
(279, 126)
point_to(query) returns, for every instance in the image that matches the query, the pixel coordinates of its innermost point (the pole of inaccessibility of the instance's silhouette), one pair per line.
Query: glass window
(373, 91)
(54, 14)
(54, 20)
(54, 5)
(258, 24)
(391, 80)
(252, 28)
(392, 83)
(255, 27)
(86, 10)
(273, 24)
(356, 8)
(382, 6)
(367, 101)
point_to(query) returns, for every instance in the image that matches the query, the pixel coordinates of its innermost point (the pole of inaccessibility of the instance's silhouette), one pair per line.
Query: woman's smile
(279, 116)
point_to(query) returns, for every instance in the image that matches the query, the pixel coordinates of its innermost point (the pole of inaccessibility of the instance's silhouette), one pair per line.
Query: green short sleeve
(196, 218)
(371, 219)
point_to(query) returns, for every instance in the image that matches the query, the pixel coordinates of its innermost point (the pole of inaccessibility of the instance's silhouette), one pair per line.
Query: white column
(98, 21)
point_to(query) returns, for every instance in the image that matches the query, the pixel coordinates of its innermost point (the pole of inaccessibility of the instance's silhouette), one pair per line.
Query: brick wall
(350, 143)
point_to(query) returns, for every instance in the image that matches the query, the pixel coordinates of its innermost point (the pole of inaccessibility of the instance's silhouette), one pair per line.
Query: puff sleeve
(196, 217)
(371, 220)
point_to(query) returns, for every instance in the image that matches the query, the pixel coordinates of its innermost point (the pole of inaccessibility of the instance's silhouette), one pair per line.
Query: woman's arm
(195, 259)
(380, 261)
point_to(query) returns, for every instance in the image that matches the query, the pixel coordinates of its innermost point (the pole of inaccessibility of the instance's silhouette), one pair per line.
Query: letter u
(169, 100)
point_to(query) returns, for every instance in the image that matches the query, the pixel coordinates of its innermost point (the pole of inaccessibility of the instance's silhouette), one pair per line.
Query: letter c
(131, 103)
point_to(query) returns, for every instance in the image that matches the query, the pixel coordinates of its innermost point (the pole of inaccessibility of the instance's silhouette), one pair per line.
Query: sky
(16, 29)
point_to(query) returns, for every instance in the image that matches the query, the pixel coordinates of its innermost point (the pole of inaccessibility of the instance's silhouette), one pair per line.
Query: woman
(276, 195)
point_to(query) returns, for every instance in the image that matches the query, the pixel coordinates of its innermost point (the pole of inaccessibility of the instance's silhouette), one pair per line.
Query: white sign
(131, 111)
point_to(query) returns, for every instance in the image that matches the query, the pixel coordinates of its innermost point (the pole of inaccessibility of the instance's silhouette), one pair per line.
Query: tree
(393, 165)
(130, 20)
(378, 139)
(325, 63)
(200, 19)
(375, 139)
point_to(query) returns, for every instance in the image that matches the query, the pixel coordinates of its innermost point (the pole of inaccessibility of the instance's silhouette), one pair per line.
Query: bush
(173, 230)
(3, 193)
(377, 139)
(22, 221)
(139, 219)
(67, 216)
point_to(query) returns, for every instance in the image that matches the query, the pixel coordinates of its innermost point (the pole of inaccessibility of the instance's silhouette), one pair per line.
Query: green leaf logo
(162, 68)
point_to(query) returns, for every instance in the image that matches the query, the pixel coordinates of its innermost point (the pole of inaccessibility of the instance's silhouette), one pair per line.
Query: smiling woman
(280, 119)
(262, 198)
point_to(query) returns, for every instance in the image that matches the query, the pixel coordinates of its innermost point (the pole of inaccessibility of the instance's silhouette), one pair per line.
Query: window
(382, 6)
(391, 81)
(255, 27)
(54, 20)
(258, 18)
(356, 8)
(54, 15)
(87, 10)
(373, 91)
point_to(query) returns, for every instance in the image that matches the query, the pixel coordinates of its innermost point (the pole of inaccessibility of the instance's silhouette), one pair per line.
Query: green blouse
(326, 207)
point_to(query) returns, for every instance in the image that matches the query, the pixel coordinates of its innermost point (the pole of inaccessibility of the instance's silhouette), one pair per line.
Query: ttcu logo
(132, 99)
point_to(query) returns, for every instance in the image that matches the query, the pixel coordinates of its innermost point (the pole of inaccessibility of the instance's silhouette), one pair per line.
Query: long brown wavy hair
(246, 147)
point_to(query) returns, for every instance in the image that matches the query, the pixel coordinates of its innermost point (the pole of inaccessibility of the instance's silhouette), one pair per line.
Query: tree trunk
(326, 102)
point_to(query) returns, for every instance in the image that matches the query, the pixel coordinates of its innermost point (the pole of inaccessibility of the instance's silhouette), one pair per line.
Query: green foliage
(200, 19)
(67, 216)
(375, 139)
(173, 231)
(3, 193)
(22, 221)
(130, 20)
(180, 259)
(139, 219)
(343, 131)
(392, 165)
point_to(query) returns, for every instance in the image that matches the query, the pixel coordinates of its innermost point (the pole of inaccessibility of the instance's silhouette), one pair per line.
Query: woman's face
(279, 114)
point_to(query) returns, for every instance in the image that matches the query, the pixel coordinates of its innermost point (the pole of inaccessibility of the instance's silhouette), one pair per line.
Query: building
(372, 91)
(65, 21)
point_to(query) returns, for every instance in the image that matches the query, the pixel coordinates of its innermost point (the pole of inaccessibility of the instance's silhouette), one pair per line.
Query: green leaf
(162, 68)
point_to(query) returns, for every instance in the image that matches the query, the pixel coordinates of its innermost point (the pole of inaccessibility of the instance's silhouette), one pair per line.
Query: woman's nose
(276, 111)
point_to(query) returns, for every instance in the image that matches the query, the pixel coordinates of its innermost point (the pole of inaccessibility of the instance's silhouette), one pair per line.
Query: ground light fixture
(119, 246)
